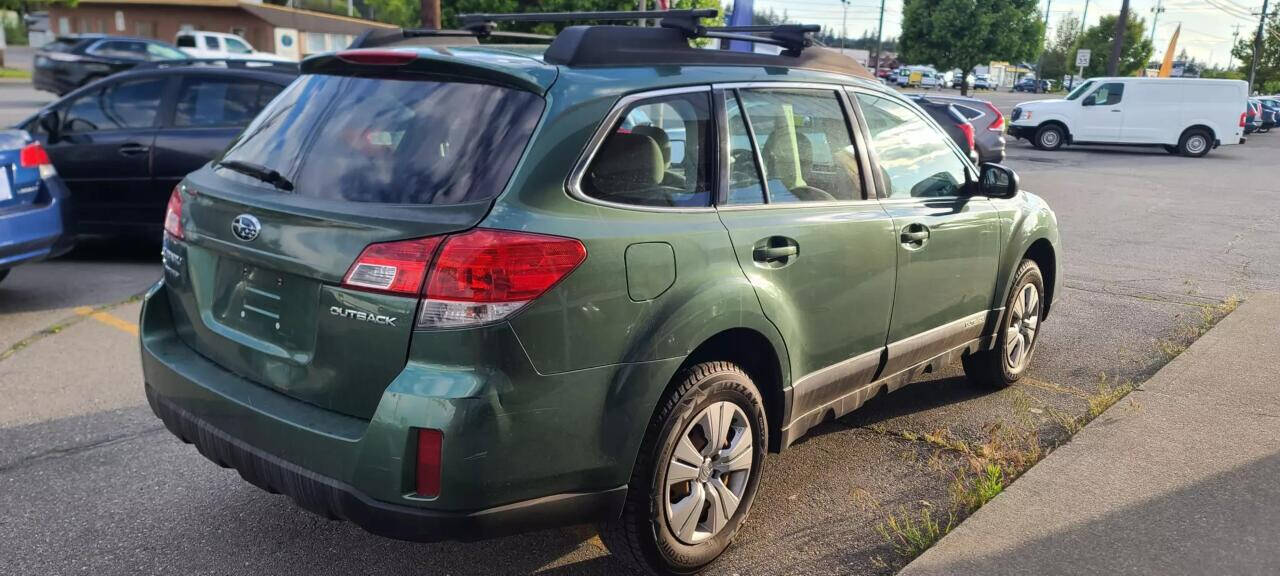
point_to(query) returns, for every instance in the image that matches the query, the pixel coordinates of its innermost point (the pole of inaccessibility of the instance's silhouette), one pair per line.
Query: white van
(1187, 116)
(203, 44)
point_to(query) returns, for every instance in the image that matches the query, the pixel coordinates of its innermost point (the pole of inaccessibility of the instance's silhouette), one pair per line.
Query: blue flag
(742, 12)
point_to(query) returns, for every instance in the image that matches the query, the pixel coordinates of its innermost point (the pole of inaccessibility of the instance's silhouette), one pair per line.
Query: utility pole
(844, 23)
(879, 39)
(1084, 25)
(1155, 18)
(1040, 64)
(1117, 45)
(431, 14)
(1231, 54)
(1257, 45)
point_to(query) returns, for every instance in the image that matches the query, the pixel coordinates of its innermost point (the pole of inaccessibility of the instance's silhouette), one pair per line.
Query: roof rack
(230, 63)
(375, 37)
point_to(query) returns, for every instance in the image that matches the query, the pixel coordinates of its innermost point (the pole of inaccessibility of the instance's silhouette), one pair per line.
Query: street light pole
(1155, 19)
(1040, 64)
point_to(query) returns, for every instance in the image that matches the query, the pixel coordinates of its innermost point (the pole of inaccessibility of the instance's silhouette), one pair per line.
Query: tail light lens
(967, 128)
(427, 470)
(33, 155)
(377, 57)
(996, 125)
(1243, 115)
(398, 267)
(477, 277)
(173, 214)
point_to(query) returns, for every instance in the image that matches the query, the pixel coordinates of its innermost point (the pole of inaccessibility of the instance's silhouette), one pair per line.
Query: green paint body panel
(555, 399)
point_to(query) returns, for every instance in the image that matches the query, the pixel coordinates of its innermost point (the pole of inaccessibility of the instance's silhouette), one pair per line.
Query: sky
(1207, 25)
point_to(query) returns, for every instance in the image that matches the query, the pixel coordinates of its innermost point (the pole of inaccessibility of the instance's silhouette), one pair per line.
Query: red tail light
(1243, 115)
(967, 128)
(997, 124)
(173, 214)
(398, 267)
(378, 57)
(427, 477)
(478, 277)
(33, 156)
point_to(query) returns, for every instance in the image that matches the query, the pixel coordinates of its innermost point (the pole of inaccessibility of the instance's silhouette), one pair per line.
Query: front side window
(212, 102)
(657, 154)
(1108, 94)
(1081, 89)
(237, 47)
(380, 140)
(915, 158)
(118, 106)
(803, 138)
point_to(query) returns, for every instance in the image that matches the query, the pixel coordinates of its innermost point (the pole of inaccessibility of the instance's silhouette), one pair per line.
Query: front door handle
(775, 251)
(133, 149)
(915, 235)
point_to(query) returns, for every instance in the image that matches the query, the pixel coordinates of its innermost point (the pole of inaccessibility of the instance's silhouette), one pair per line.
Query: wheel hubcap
(1049, 138)
(708, 472)
(1195, 144)
(1020, 334)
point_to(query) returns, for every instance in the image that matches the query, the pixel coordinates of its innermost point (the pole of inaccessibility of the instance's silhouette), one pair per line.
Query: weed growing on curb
(910, 534)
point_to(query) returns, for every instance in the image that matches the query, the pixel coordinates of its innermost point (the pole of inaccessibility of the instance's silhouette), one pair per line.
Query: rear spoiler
(438, 64)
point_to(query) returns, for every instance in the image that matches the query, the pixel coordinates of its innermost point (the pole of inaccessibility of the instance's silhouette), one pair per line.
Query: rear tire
(662, 528)
(1017, 334)
(1049, 137)
(1195, 143)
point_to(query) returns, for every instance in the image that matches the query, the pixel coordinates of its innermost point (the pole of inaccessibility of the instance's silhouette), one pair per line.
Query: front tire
(1195, 143)
(1050, 137)
(1017, 334)
(696, 475)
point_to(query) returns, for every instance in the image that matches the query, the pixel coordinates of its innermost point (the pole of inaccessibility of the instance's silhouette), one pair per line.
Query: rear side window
(122, 105)
(657, 154)
(803, 139)
(211, 42)
(61, 45)
(211, 102)
(391, 141)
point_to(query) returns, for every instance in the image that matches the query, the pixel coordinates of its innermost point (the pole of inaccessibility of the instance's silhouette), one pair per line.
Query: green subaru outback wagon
(448, 290)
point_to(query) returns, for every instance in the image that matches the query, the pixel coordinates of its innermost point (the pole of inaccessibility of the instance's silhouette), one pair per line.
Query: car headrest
(660, 136)
(626, 162)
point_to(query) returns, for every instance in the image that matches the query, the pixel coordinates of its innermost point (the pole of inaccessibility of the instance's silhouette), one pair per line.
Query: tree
(965, 33)
(1134, 54)
(1267, 80)
(1060, 57)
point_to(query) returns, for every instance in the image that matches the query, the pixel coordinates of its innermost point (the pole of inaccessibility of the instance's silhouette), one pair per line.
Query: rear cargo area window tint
(392, 141)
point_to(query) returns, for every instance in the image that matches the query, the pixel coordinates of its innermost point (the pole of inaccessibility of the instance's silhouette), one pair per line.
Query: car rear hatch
(260, 253)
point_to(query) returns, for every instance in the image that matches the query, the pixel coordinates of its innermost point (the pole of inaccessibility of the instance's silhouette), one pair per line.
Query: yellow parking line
(108, 319)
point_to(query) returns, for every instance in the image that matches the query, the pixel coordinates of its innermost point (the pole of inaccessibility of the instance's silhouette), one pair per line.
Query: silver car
(988, 124)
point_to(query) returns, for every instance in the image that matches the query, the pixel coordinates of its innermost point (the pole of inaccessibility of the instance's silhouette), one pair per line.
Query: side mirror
(997, 181)
(1089, 101)
(48, 121)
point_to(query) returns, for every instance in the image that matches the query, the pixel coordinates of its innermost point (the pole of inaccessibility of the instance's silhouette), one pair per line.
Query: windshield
(1081, 89)
(390, 141)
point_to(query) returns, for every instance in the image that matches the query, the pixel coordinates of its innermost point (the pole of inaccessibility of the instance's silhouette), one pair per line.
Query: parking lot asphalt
(90, 482)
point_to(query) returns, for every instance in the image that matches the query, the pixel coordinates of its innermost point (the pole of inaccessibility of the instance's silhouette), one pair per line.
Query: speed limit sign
(1082, 57)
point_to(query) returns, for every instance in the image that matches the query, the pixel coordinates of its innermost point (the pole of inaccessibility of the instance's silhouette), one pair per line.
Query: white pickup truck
(202, 44)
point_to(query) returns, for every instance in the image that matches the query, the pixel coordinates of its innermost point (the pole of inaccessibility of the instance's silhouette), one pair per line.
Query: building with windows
(286, 31)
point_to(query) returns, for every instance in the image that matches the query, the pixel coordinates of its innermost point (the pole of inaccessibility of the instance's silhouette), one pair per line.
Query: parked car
(450, 294)
(1270, 112)
(952, 122)
(959, 78)
(988, 124)
(1252, 116)
(1029, 85)
(34, 215)
(983, 82)
(1188, 116)
(73, 61)
(930, 79)
(204, 44)
(123, 143)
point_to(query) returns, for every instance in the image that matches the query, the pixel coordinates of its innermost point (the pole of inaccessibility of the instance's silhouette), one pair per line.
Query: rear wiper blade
(268, 175)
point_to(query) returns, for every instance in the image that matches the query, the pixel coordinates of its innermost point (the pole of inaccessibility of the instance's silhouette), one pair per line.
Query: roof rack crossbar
(792, 37)
(374, 38)
(485, 24)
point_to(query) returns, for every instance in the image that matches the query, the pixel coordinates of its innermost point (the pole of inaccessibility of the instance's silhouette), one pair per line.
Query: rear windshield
(391, 141)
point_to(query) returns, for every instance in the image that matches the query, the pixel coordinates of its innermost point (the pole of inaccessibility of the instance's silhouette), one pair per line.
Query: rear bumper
(335, 500)
(36, 232)
(522, 450)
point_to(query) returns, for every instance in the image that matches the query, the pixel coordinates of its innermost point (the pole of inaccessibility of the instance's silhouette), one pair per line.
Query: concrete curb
(1177, 478)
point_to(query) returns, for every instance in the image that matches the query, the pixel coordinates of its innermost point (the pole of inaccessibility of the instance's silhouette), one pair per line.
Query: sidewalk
(1180, 477)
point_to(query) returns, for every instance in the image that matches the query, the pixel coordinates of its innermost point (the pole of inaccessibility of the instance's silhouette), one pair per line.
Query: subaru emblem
(246, 227)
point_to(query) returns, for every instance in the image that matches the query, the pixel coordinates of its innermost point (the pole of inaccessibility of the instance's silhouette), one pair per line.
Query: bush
(15, 33)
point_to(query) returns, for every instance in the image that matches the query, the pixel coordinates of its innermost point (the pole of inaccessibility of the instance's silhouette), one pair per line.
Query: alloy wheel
(708, 472)
(1020, 334)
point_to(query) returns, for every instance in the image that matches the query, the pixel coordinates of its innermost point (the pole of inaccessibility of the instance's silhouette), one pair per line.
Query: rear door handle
(133, 149)
(775, 251)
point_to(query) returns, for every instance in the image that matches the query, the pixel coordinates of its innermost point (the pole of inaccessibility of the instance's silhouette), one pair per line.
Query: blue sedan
(34, 214)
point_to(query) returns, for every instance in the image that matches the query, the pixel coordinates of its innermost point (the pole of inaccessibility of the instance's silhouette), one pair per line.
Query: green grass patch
(14, 73)
(912, 533)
